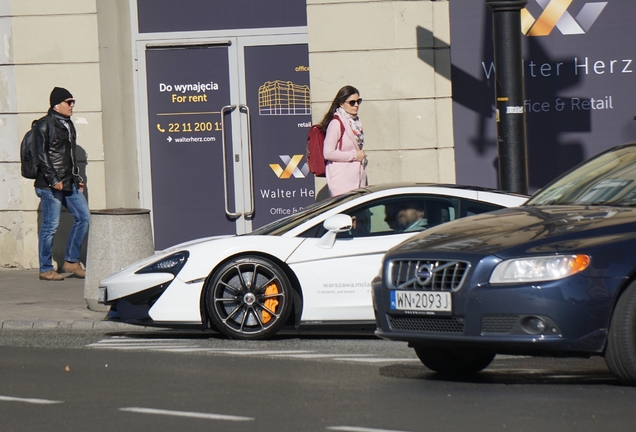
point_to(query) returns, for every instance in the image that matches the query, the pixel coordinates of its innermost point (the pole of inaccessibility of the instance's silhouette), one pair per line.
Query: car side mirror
(334, 225)
(338, 223)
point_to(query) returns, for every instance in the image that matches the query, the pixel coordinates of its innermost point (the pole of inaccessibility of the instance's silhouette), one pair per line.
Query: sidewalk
(29, 303)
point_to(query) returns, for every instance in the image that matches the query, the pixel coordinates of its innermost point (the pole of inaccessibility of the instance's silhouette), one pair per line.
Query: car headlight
(170, 264)
(538, 269)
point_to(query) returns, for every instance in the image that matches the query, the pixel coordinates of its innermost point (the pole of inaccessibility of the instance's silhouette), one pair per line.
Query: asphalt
(27, 303)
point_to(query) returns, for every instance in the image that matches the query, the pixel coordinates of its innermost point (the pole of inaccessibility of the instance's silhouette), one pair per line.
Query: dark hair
(342, 95)
(414, 204)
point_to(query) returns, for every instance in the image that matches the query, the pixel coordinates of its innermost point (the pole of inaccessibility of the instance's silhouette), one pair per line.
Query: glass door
(227, 130)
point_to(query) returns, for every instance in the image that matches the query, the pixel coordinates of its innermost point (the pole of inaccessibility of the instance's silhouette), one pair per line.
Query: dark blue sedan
(555, 277)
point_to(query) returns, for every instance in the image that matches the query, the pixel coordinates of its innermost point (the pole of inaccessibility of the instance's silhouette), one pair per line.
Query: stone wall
(47, 44)
(397, 53)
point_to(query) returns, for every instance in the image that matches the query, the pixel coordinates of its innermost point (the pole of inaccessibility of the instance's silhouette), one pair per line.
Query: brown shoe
(51, 275)
(76, 268)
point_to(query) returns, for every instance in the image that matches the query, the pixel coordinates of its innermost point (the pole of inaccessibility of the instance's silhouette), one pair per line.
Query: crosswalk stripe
(377, 360)
(186, 414)
(310, 356)
(119, 339)
(359, 429)
(186, 346)
(263, 352)
(29, 400)
(184, 349)
(134, 347)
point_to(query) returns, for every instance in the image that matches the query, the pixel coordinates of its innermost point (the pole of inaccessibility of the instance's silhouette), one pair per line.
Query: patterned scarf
(356, 126)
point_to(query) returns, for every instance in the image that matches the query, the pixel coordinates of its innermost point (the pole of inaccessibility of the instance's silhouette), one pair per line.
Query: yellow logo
(555, 14)
(291, 167)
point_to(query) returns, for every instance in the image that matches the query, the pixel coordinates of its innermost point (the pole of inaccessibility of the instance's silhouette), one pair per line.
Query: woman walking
(344, 140)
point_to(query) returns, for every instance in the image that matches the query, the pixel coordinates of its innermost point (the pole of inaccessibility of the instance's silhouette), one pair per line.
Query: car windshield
(608, 179)
(283, 225)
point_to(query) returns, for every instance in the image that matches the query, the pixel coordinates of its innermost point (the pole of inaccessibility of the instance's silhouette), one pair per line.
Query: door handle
(243, 107)
(227, 108)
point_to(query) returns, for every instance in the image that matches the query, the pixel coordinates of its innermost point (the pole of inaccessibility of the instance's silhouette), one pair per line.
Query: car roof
(385, 186)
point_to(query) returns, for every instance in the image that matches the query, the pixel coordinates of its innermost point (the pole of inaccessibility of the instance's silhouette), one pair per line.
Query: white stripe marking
(377, 360)
(148, 341)
(138, 347)
(310, 356)
(263, 352)
(359, 429)
(185, 349)
(186, 414)
(224, 350)
(29, 400)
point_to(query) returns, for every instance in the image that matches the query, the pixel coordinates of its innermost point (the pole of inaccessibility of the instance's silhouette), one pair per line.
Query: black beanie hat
(59, 95)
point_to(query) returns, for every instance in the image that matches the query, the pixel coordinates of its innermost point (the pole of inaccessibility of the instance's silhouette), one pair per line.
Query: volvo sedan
(554, 277)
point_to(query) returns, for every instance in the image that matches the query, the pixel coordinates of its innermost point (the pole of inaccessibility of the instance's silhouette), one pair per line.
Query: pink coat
(343, 171)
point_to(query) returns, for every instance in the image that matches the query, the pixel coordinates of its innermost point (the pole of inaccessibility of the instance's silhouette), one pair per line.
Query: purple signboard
(277, 84)
(198, 15)
(578, 64)
(186, 155)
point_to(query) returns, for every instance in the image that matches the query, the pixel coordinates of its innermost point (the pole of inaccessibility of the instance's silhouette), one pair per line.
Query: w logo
(291, 167)
(555, 14)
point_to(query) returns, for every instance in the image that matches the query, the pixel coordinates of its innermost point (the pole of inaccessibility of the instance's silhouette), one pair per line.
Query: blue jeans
(51, 202)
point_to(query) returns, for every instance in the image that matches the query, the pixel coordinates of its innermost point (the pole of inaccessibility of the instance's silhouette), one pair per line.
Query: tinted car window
(608, 179)
(283, 225)
(385, 216)
(470, 208)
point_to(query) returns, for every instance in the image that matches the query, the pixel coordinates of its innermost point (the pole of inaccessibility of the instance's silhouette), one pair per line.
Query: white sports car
(312, 267)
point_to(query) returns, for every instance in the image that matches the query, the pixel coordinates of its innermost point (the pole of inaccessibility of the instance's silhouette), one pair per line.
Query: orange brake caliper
(269, 303)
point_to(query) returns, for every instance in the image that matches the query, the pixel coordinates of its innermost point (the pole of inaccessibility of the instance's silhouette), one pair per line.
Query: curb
(67, 325)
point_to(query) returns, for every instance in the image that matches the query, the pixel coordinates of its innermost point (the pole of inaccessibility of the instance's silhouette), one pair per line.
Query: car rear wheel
(454, 361)
(249, 298)
(620, 354)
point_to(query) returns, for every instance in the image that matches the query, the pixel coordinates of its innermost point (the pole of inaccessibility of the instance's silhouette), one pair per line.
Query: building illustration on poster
(283, 98)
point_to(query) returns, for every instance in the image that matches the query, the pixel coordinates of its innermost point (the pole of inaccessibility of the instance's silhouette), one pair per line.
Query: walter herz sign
(578, 66)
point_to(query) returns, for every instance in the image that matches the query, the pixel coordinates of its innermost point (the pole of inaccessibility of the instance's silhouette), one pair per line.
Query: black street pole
(509, 94)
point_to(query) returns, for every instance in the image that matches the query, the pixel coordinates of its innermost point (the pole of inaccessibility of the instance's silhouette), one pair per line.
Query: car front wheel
(620, 354)
(454, 361)
(249, 298)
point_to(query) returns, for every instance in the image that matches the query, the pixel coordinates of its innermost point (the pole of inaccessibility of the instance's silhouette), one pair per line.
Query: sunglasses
(354, 102)
(70, 102)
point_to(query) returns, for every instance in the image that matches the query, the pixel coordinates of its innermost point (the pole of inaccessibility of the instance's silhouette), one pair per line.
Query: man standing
(58, 184)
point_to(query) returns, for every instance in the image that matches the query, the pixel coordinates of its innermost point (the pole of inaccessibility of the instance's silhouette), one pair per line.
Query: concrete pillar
(116, 238)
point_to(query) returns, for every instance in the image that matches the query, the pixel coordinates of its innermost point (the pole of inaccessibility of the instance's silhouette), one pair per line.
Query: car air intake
(427, 324)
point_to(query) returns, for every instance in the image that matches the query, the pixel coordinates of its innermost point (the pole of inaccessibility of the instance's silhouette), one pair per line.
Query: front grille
(427, 324)
(427, 274)
(502, 323)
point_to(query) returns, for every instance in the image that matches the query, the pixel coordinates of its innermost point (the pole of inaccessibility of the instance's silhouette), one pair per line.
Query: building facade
(199, 110)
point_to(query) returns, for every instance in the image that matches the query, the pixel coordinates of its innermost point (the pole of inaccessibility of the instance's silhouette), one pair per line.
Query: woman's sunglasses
(354, 102)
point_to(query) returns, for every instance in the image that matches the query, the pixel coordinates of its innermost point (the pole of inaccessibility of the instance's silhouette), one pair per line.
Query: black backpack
(28, 158)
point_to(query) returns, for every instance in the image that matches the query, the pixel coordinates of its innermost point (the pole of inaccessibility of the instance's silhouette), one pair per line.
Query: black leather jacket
(55, 151)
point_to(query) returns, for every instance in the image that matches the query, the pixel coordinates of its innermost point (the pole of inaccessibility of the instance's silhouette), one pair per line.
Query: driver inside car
(412, 217)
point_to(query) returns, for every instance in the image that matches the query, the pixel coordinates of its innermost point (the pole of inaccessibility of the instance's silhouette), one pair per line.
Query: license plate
(101, 295)
(423, 301)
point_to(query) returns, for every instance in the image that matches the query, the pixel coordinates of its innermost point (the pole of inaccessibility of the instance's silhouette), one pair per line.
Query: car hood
(528, 229)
